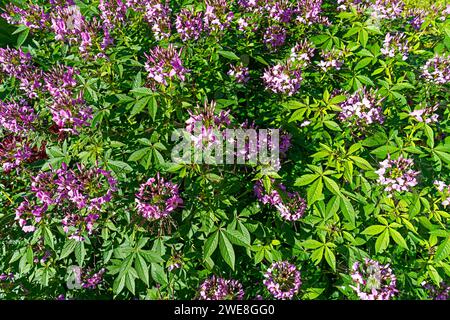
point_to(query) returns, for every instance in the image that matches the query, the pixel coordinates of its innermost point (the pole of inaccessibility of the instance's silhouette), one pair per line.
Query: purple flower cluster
(362, 108)
(309, 12)
(14, 151)
(17, 117)
(290, 205)
(397, 175)
(444, 189)
(437, 69)
(217, 16)
(68, 107)
(7, 276)
(157, 15)
(282, 78)
(373, 281)
(163, 64)
(437, 293)
(189, 24)
(395, 44)
(331, 59)
(205, 126)
(216, 288)
(274, 37)
(157, 198)
(91, 280)
(78, 195)
(18, 64)
(283, 280)
(426, 115)
(387, 9)
(239, 73)
(302, 53)
(34, 17)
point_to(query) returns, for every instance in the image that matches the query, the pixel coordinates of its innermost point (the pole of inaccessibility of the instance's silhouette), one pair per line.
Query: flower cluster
(7, 276)
(397, 175)
(309, 11)
(189, 24)
(437, 70)
(68, 108)
(302, 53)
(444, 189)
(239, 73)
(373, 281)
(362, 108)
(157, 15)
(205, 126)
(17, 117)
(395, 44)
(34, 17)
(274, 37)
(290, 205)
(157, 198)
(387, 9)
(14, 151)
(283, 280)
(163, 64)
(91, 280)
(437, 293)
(426, 115)
(217, 16)
(216, 288)
(79, 196)
(282, 78)
(331, 59)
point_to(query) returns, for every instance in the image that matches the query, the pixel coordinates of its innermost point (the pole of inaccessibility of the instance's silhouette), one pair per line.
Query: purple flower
(239, 73)
(157, 198)
(34, 16)
(274, 37)
(387, 9)
(216, 288)
(441, 292)
(290, 205)
(189, 24)
(437, 70)
(309, 12)
(373, 281)
(362, 108)
(163, 64)
(14, 151)
(331, 59)
(280, 11)
(426, 115)
(397, 175)
(29, 215)
(91, 280)
(302, 53)
(444, 190)
(217, 16)
(17, 117)
(157, 15)
(395, 44)
(283, 280)
(282, 78)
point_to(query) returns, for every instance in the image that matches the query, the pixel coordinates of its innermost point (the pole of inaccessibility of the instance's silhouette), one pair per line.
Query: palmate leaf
(226, 250)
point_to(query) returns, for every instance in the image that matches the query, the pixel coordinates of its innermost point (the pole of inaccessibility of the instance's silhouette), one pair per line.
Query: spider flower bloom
(442, 292)
(302, 53)
(239, 73)
(33, 16)
(395, 44)
(13, 152)
(157, 198)
(309, 11)
(28, 215)
(397, 175)
(437, 70)
(282, 78)
(217, 16)
(279, 10)
(216, 288)
(387, 9)
(426, 115)
(189, 24)
(163, 64)
(290, 205)
(373, 281)
(91, 280)
(331, 59)
(444, 189)
(157, 15)
(16, 117)
(274, 37)
(282, 280)
(363, 108)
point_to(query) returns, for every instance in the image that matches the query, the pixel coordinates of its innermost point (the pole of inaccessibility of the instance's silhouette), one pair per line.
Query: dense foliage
(92, 206)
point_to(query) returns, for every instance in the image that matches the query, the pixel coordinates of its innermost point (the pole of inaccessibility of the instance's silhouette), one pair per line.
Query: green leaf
(140, 105)
(330, 258)
(22, 37)
(332, 186)
(151, 256)
(382, 241)
(227, 251)
(80, 253)
(119, 283)
(362, 163)
(314, 192)
(311, 244)
(142, 269)
(68, 248)
(210, 245)
(228, 54)
(398, 238)
(236, 238)
(143, 92)
(347, 210)
(306, 179)
(130, 282)
(158, 274)
(48, 237)
(153, 108)
(443, 251)
(373, 230)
